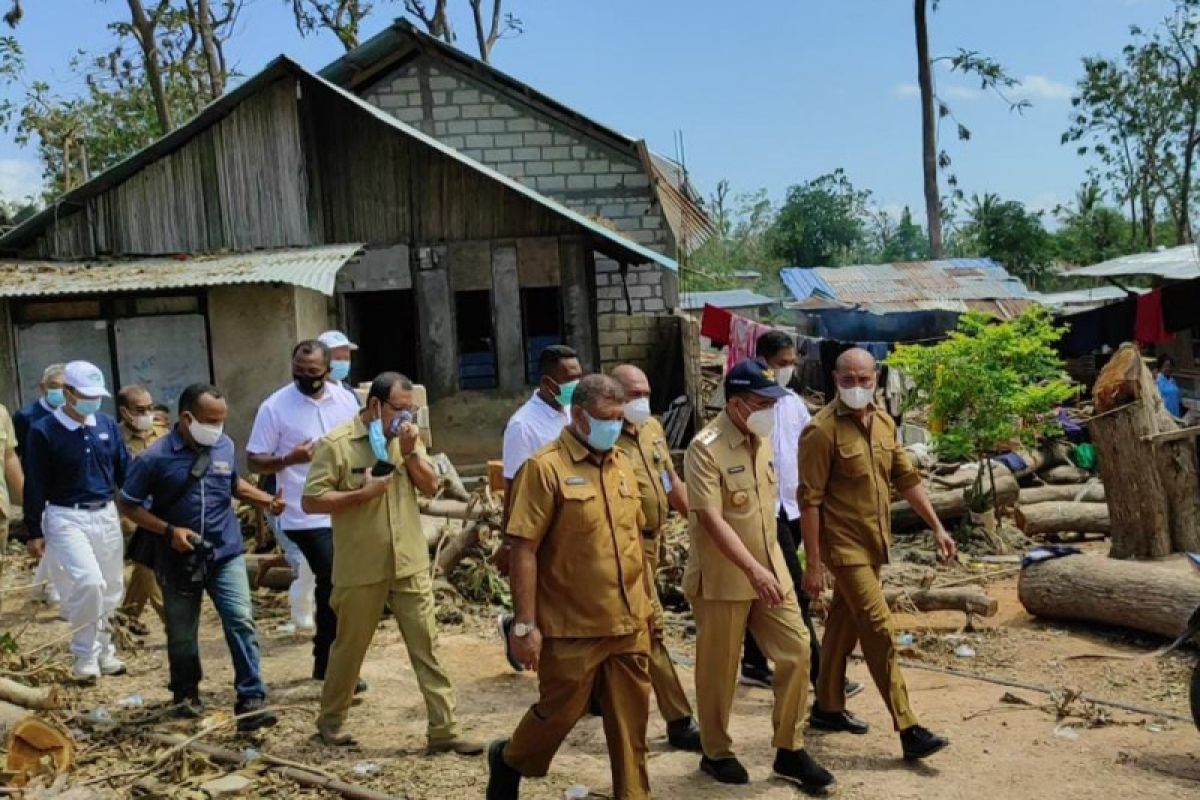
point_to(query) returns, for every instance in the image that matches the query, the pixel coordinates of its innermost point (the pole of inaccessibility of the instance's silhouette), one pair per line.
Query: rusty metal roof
(310, 267)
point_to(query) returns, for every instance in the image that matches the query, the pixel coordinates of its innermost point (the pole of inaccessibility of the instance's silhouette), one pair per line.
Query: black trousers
(317, 546)
(788, 532)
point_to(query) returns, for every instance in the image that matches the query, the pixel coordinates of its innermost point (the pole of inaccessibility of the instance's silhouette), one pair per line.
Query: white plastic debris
(132, 701)
(286, 629)
(576, 792)
(906, 640)
(366, 769)
(1067, 732)
(964, 651)
(99, 716)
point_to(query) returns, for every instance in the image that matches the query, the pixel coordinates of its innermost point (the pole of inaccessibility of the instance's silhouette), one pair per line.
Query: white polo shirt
(533, 426)
(791, 417)
(284, 420)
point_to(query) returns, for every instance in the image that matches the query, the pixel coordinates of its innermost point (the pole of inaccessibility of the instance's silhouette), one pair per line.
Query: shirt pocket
(356, 478)
(628, 502)
(581, 507)
(887, 454)
(741, 497)
(852, 462)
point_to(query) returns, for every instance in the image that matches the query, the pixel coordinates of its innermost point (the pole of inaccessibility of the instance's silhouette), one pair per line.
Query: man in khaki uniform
(849, 461)
(737, 580)
(581, 597)
(140, 429)
(645, 442)
(365, 475)
(12, 478)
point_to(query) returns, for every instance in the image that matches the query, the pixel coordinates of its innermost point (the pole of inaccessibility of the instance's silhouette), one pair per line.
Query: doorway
(384, 326)
(476, 342)
(541, 318)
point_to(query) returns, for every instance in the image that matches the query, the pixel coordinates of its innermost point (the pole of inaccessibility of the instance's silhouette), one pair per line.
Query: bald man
(645, 442)
(849, 462)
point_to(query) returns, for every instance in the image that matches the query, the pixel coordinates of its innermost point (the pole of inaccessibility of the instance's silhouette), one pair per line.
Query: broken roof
(725, 298)
(1173, 263)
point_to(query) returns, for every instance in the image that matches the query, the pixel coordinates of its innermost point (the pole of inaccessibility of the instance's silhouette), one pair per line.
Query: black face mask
(307, 385)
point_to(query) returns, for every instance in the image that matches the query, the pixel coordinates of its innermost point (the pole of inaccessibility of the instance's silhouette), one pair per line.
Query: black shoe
(919, 743)
(725, 770)
(188, 705)
(504, 782)
(265, 719)
(854, 689)
(361, 686)
(798, 767)
(683, 734)
(504, 624)
(756, 676)
(594, 707)
(837, 722)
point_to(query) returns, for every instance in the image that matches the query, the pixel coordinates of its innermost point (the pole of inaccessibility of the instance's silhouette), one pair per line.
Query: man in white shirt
(532, 427)
(777, 350)
(286, 430)
(340, 349)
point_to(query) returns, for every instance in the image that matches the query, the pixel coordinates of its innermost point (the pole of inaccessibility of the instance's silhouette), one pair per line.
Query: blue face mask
(375, 436)
(85, 407)
(339, 370)
(603, 433)
(57, 398)
(566, 391)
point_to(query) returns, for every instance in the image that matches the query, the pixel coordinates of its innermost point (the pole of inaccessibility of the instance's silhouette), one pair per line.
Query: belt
(649, 534)
(98, 505)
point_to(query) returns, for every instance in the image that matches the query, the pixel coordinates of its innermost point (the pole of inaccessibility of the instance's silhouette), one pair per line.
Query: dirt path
(1004, 752)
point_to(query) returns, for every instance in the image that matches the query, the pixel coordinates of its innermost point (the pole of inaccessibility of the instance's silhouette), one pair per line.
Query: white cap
(85, 378)
(332, 339)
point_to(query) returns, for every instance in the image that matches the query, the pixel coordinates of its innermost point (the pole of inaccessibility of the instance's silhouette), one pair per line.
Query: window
(541, 316)
(476, 341)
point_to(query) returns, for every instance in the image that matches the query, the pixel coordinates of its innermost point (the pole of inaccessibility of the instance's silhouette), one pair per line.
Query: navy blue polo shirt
(26, 418)
(205, 507)
(68, 463)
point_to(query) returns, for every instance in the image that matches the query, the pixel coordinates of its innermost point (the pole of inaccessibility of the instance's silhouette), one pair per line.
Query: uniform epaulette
(708, 435)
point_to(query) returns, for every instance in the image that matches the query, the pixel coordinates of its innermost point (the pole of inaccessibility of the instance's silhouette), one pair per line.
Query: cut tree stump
(1143, 596)
(1079, 493)
(1056, 517)
(951, 505)
(1150, 486)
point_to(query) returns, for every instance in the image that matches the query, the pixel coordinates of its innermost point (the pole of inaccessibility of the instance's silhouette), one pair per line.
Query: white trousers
(301, 594)
(46, 574)
(88, 555)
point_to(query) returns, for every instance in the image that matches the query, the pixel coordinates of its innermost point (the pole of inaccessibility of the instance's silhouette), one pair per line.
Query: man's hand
(946, 546)
(376, 485)
(766, 585)
(36, 548)
(814, 582)
(409, 434)
(181, 540)
(277, 505)
(527, 649)
(301, 453)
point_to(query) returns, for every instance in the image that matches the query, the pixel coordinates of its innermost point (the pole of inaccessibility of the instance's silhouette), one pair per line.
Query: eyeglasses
(401, 409)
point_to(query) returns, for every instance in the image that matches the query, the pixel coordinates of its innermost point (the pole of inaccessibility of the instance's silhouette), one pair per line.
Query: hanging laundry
(743, 339)
(1149, 327)
(714, 324)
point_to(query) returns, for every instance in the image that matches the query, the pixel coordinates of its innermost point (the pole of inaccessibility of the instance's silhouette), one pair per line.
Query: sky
(766, 94)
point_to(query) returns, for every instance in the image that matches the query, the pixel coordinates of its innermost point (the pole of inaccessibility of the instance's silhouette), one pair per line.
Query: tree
(342, 18)
(1005, 231)
(992, 76)
(144, 29)
(1090, 232)
(821, 222)
(742, 224)
(498, 27)
(896, 239)
(988, 387)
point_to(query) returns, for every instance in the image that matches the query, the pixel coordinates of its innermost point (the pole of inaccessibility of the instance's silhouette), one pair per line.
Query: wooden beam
(1173, 436)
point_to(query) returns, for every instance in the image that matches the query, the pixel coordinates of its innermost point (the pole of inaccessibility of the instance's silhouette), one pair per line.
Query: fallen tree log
(1065, 473)
(968, 600)
(1055, 517)
(1086, 493)
(456, 509)
(40, 698)
(1152, 597)
(457, 546)
(10, 715)
(951, 505)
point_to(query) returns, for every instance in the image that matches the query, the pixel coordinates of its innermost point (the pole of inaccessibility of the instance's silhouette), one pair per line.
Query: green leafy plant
(988, 386)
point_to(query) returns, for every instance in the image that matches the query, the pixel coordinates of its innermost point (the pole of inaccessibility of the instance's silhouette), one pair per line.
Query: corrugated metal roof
(1176, 263)
(1097, 296)
(312, 268)
(804, 283)
(726, 298)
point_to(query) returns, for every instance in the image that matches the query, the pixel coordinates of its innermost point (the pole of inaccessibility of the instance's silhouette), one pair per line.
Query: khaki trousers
(617, 669)
(859, 614)
(358, 609)
(782, 637)
(141, 588)
(668, 691)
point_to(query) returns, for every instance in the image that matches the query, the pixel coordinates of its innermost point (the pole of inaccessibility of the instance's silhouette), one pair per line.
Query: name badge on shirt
(737, 469)
(222, 468)
(102, 437)
(665, 476)
(576, 481)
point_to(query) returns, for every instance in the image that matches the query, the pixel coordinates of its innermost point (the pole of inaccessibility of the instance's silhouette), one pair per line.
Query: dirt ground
(999, 749)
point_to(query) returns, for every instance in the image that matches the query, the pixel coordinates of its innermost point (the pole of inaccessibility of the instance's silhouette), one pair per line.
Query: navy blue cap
(752, 375)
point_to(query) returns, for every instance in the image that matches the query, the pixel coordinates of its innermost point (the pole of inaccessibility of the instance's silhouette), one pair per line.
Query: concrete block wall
(627, 339)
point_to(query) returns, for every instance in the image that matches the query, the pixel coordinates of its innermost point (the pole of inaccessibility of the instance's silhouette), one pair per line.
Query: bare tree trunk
(929, 165)
(144, 29)
(212, 61)
(488, 41)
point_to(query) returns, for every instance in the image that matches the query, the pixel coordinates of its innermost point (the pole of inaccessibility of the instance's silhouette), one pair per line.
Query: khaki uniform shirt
(651, 461)
(137, 442)
(848, 473)
(724, 471)
(378, 540)
(8, 441)
(585, 519)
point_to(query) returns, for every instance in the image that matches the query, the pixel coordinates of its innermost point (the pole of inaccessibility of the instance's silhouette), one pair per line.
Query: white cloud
(1040, 87)
(907, 90)
(19, 178)
(950, 92)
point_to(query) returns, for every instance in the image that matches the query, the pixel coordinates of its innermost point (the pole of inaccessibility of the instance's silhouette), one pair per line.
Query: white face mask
(205, 435)
(637, 411)
(762, 422)
(856, 397)
(783, 375)
(143, 422)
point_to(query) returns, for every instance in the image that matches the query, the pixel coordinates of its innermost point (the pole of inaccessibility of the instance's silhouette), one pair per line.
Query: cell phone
(382, 468)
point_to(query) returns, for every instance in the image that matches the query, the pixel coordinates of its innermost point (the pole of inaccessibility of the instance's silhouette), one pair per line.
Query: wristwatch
(523, 629)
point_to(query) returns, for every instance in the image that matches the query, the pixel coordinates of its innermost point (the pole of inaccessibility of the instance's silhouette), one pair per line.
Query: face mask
(57, 398)
(377, 439)
(783, 375)
(86, 407)
(856, 397)
(309, 387)
(602, 433)
(398, 420)
(565, 392)
(338, 370)
(762, 422)
(142, 422)
(205, 435)
(637, 411)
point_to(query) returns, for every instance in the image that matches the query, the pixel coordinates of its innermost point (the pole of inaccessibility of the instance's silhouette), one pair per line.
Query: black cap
(752, 375)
